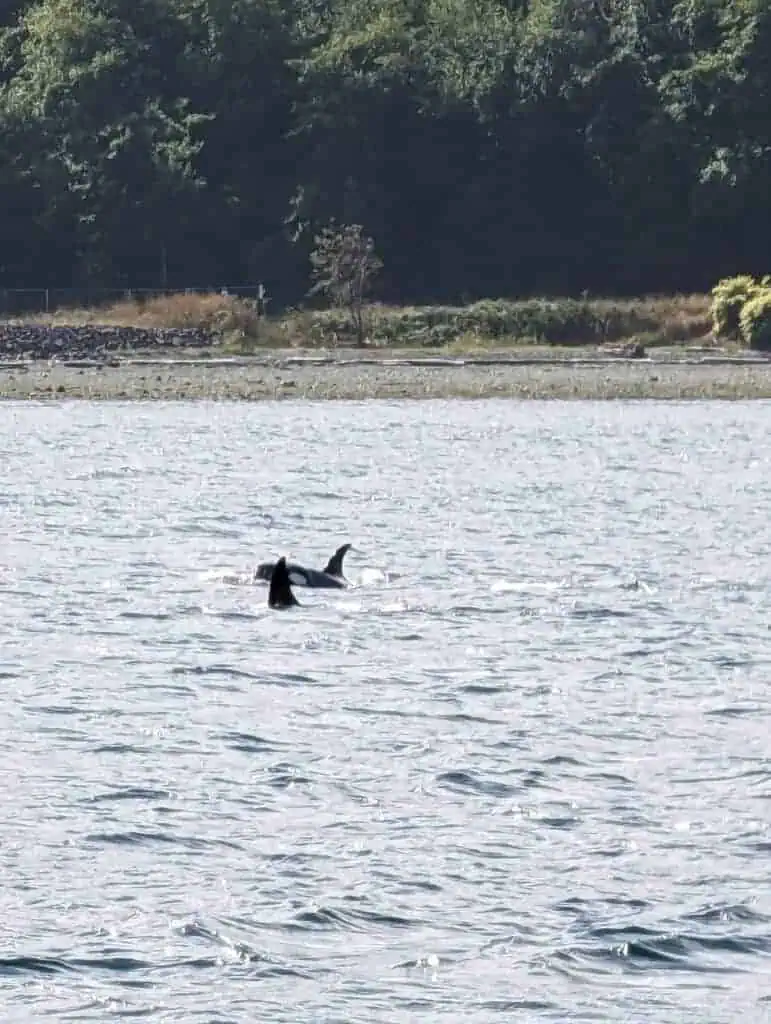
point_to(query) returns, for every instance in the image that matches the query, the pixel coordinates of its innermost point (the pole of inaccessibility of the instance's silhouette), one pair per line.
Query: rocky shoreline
(138, 364)
(41, 341)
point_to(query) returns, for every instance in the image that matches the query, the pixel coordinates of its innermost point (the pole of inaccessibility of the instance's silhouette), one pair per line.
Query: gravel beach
(99, 362)
(335, 377)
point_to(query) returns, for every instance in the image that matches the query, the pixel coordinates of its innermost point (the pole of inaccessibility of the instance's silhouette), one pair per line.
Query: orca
(330, 577)
(280, 594)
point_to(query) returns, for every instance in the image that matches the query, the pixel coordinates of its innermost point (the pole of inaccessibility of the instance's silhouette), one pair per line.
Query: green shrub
(755, 320)
(728, 298)
(553, 321)
(560, 321)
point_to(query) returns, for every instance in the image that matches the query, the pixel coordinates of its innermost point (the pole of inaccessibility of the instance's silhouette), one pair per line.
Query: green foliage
(509, 147)
(755, 320)
(100, 135)
(728, 299)
(553, 322)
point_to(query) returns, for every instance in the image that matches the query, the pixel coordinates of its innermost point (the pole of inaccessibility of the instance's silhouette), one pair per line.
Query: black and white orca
(280, 594)
(329, 577)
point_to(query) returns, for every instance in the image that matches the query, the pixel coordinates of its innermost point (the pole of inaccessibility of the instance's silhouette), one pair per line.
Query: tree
(103, 134)
(344, 266)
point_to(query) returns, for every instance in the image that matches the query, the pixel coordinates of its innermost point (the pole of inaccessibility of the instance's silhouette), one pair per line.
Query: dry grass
(677, 318)
(210, 311)
(668, 320)
(233, 322)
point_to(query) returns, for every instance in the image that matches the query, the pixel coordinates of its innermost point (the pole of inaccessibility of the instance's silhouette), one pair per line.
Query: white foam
(523, 586)
(229, 576)
(372, 576)
(395, 606)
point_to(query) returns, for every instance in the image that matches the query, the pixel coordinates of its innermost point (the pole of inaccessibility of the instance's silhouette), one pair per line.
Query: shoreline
(386, 374)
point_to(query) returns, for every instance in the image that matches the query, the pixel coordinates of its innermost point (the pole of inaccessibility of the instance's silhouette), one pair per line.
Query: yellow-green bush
(728, 298)
(755, 320)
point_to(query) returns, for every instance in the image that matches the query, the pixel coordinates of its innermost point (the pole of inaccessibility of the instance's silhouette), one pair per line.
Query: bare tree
(344, 265)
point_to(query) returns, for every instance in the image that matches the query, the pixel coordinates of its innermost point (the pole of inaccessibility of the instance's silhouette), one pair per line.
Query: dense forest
(490, 147)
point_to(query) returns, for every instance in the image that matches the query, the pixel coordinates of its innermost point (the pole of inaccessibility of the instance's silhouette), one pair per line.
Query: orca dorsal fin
(280, 594)
(334, 566)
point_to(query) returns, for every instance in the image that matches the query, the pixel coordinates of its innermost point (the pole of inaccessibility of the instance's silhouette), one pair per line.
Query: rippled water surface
(519, 770)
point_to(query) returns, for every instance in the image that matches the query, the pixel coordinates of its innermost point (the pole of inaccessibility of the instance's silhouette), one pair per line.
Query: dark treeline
(490, 147)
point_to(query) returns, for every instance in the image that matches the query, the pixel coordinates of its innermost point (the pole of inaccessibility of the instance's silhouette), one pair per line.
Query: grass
(674, 320)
